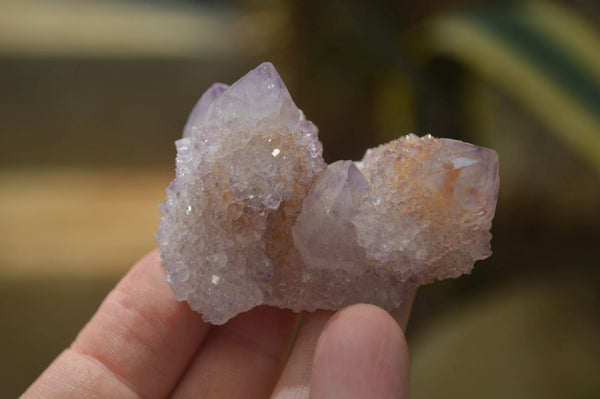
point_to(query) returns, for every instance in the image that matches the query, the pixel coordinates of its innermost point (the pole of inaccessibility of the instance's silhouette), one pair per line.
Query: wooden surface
(71, 222)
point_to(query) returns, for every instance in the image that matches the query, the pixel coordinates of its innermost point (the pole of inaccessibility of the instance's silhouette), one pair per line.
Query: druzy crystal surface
(255, 216)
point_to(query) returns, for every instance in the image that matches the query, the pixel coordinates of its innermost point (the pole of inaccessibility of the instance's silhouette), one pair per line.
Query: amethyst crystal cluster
(255, 216)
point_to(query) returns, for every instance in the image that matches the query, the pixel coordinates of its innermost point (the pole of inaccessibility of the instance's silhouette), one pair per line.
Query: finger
(137, 344)
(294, 382)
(360, 354)
(74, 376)
(241, 359)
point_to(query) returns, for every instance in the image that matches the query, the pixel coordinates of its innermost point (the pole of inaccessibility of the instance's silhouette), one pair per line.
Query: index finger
(138, 343)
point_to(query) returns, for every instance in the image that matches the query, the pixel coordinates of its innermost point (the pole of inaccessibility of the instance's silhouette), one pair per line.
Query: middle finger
(241, 359)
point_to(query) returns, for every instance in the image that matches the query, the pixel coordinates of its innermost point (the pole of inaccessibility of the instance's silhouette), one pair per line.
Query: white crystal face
(254, 216)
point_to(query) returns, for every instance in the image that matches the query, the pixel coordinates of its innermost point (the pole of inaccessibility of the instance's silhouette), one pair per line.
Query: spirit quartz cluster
(256, 217)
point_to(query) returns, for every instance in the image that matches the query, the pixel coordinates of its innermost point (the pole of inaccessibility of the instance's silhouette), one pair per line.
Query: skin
(142, 343)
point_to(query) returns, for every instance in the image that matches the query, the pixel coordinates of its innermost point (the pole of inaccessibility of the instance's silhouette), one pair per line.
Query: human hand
(142, 343)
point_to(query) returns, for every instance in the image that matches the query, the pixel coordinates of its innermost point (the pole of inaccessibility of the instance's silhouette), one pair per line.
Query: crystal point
(323, 232)
(198, 115)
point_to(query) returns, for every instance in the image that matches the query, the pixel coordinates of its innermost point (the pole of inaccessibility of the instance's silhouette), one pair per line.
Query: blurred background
(93, 93)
